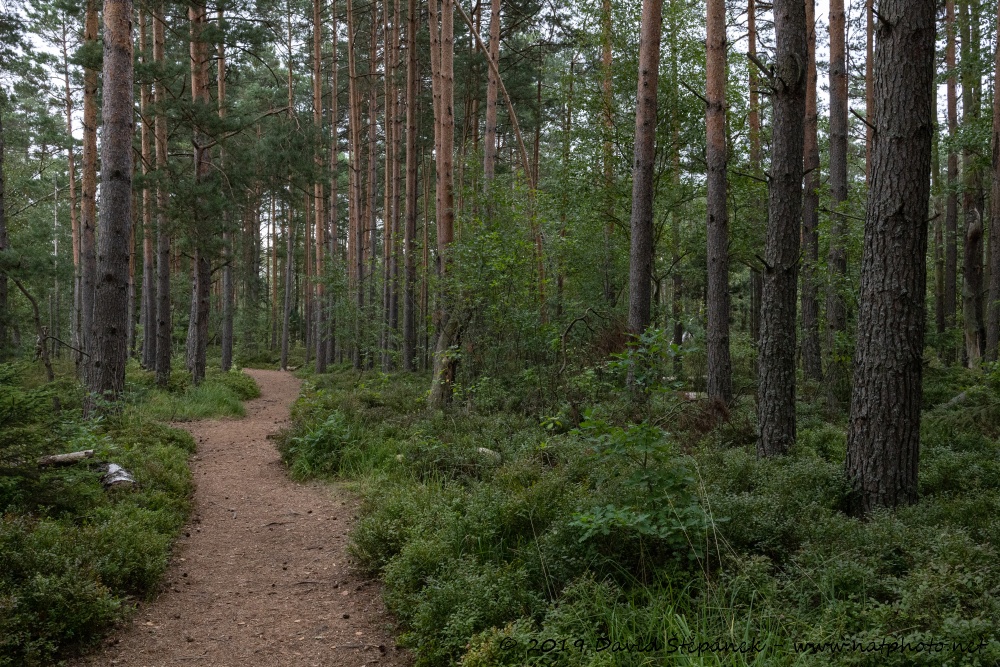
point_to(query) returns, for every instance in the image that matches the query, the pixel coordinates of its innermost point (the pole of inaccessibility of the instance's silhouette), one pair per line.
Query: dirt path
(260, 577)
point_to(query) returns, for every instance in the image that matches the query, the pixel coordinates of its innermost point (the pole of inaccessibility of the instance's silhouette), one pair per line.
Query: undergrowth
(611, 533)
(74, 558)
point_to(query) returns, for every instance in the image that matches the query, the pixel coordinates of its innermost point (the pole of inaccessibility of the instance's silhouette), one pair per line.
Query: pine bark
(88, 201)
(164, 326)
(776, 376)
(641, 251)
(811, 361)
(720, 371)
(110, 346)
(836, 307)
(883, 435)
(869, 86)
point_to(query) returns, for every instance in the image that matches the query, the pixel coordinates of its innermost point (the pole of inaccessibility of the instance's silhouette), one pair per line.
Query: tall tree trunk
(88, 203)
(720, 371)
(993, 308)
(410, 231)
(836, 308)
(444, 363)
(641, 253)
(389, 241)
(883, 436)
(776, 375)
(109, 350)
(201, 264)
(76, 336)
(753, 120)
(164, 327)
(869, 87)
(951, 206)
(397, 182)
(320, 331)
(490, 139)
(371, 213)
(677, 280)
(607, 154)
(355, 245)
(332, 346)
(148, 306)
(228, 307)
(289, 273)
(4, 287)
(972, 193)
(811, 361)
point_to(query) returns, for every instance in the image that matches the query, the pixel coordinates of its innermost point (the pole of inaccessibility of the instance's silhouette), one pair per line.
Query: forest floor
(261, 575)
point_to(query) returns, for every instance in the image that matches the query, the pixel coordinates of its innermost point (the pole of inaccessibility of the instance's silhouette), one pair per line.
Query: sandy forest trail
(260, 577)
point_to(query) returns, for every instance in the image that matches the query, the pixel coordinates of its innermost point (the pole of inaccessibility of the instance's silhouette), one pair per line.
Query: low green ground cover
(74, 558)
(606, 532)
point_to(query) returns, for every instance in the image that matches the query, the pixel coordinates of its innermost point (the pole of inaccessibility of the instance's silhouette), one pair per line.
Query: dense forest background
(769, 227)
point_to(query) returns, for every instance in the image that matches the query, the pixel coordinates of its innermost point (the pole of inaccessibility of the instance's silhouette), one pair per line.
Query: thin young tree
(228, 298)
(972, 191)
(951, 205)
(756, 169)
(641, 252)
(490, 139)
(720, 373)
(148, 303)
(444, 363)
(74, 219)
(109, 351)
(883, 436)
(410, 225)
(320, 331)
(163, 315)
(776, 374)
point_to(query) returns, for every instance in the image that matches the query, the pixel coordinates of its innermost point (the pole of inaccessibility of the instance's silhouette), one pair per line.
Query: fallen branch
(65, 459)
